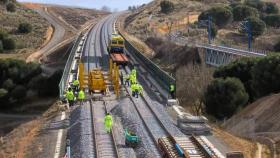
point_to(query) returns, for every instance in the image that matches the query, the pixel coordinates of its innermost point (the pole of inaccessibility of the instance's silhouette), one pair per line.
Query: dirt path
(57, 35)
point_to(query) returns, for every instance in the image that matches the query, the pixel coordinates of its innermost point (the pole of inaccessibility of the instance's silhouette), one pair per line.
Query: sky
(113, 4)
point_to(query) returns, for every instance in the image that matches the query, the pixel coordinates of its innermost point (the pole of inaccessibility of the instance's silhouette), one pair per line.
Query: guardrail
(65, 76)
(163, 78)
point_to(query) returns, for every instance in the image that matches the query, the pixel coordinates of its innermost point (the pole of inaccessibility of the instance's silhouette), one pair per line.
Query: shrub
(19, 92)
(3, 92)
(8, 84)
(257, 26)
(11, 7)
(221, 16)
(240, 69)
(4, 1)
(166, 6)
(3, 34)
(266, 76)
(255, 4)
(272, 20)
(24, 28)
(277, 46)
(264, 7)
(1, 47)
(9, 44)
(241, 12)
(271, 8)
(224, 96)
(214, 30)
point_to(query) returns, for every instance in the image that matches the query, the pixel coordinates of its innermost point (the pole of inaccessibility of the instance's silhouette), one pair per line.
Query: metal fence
(162, 77)
(65, 77)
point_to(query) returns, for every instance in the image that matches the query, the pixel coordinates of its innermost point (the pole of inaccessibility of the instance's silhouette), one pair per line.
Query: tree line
(241, 82)
(20, 80)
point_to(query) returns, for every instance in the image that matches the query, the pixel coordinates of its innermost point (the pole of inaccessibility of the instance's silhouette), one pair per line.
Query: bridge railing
(160, 75)
(63, 84)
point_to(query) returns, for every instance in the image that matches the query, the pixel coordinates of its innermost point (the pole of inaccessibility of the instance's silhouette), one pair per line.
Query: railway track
(158, 128)
(105, 145)
(191, 146)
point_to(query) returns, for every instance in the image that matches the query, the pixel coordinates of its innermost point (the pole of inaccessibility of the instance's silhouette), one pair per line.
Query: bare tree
(192, 81)
(106, 9)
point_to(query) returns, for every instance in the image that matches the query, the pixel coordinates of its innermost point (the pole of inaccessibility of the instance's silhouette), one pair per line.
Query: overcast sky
(113, 4)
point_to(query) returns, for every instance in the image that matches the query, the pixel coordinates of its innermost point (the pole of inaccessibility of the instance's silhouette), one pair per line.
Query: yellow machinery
(116, 44)
(97, 81)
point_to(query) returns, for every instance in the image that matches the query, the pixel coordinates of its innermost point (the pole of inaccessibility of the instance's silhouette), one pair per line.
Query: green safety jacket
(81, 95)
(108, 120)
(172, 88)
(133, 87)
(133, 72)
(139, 88)
(76, 83)
(132, 78)
(70, 95)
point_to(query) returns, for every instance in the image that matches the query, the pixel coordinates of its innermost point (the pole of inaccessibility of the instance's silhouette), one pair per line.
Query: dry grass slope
(25, 42)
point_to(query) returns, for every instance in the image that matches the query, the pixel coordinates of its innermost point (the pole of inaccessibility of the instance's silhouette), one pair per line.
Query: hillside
(25, 42)
(77, 17)
(259, 119)
(148, 20)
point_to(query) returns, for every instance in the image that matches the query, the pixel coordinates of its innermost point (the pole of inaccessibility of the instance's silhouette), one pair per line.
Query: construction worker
(132, 79)
(70, 97)
(81, 96)
(76, 84)
(172, 91)
(108, 122)
(139, 88)
(126, 80)
(136, 90)
(133, 71)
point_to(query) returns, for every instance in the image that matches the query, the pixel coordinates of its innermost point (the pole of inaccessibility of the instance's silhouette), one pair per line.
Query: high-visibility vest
(108, 120)
(139, 88)
(172, 88)
(70, 95)
(133, 72)
(133, 87)
(81, 95)
(76, 83)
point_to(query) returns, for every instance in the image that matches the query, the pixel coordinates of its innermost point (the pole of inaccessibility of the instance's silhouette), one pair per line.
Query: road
(57, 35)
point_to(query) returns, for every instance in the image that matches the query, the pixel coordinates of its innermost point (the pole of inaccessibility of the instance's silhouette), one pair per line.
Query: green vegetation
(1, 47)
(9, 44)
(263, 7)
(266, 75)
(221, 16)
(18, 78)
(214, 30)
(11, 7)
(241, 12)
(260, 77)
(166, 6)
(224, 96)
(272, 20)
(277, 46)
(257, 26)
(24, 28)
(4, 1)
(240, 69)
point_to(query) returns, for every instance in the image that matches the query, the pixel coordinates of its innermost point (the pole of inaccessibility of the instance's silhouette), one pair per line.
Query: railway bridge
(215, 55)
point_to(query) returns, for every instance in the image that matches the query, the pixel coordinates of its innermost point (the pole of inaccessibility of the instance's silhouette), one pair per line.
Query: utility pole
(248, 29)
(209, 29)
